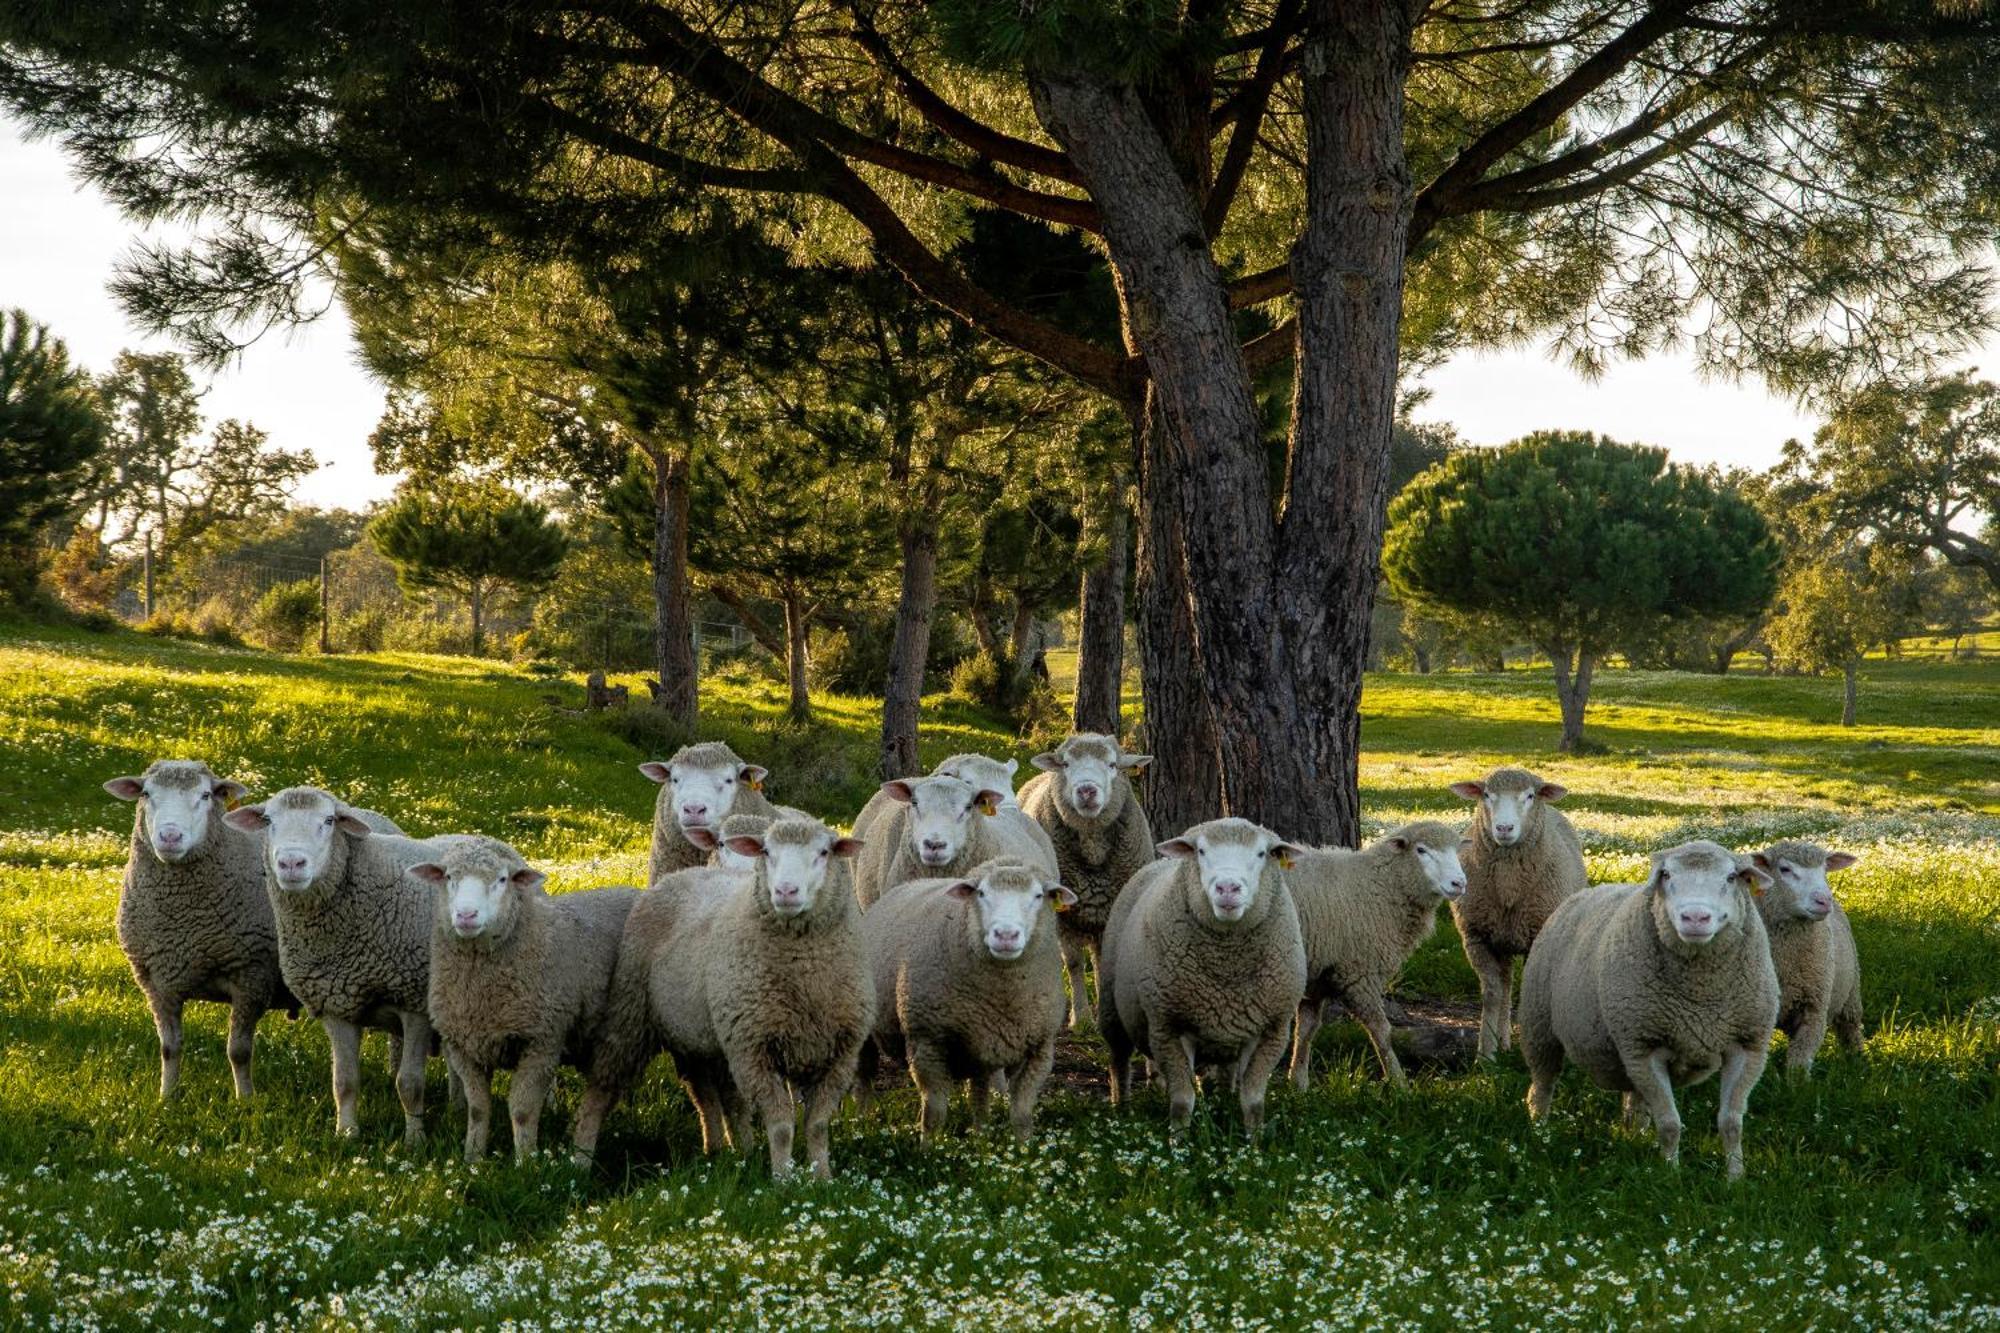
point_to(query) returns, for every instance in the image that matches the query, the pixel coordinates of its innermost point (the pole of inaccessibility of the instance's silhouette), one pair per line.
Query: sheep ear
(353, 825)
(1048, 761)
(745, 844)
(962, 889)
(1398, 842)
(249, 818)
(1762, 861)
(528, 879)
(702, 838)
(1656, 881)
(1063, 898)
(1552, 791)
(126, 789)
(1840, 860)
(1175, 847)
(754, 775)
(1287, 854)
(1471, 791)
(430, 872)
(230, 792)
(656, 770)
(1013, 767)
(897, 789)
(844, 848)
(1755, 876)
(1132, 765)
(987, 802)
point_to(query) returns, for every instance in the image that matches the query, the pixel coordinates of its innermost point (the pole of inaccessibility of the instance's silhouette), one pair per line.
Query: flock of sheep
(779, 961)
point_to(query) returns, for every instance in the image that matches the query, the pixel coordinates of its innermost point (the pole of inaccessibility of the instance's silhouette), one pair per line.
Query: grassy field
(1873, 1197)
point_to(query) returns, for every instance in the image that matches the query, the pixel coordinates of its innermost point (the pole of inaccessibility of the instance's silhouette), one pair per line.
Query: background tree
(1576, 542)
(237, 478)
(1919, 465)
(1813, 178)
(51, 430)
(1838, 607)
(156, 414)
(468, 539)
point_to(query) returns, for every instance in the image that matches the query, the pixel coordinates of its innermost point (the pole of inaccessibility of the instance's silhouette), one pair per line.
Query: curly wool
(1818, 965)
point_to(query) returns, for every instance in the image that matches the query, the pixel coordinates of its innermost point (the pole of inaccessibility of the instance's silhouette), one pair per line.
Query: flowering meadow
(1872, 1199)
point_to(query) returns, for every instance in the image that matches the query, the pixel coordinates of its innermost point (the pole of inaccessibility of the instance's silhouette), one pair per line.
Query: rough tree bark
(673, 611)
(795, 654)
(1100, 656)
(1573, 668)
(1280, 609)
(908, 649)
(1848, 671)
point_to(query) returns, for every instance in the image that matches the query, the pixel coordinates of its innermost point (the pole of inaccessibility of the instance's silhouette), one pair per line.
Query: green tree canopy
(470, 539)
(1577, 542)
(1837, 605)
(52, 428)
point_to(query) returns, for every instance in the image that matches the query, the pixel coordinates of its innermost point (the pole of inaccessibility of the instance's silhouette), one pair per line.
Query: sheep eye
(328, 821)
(1786, 870)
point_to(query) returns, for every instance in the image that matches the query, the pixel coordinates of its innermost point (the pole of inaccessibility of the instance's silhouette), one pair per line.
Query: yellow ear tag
(756, 784)
(1061, 906)
(1285, 860)
(231, 802)
(989, 807)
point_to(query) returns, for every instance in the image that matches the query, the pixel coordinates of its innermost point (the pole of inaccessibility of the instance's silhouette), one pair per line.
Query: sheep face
(982, 772)
(939, 822)
(1798, 877)
(1510, 801)
(1435, 849)
(179, 801)
(1087, 765)
(716, 842)
(479, 889)
(1700, 890)
(1230, 856)
(1008, 903)
(702, 783)
(300, 824)
(796, 856)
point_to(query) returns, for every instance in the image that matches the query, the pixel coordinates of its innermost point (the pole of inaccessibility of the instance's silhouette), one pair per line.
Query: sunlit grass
(1873, 1198)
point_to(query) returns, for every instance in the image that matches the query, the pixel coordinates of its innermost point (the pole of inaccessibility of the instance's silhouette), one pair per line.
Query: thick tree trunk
(673, 611)
(1420, 657)
(795, 654)
(902, 694)
(981, 609)
(1020, 634)
(1572, 690)
(1280, 612)
(767, 638)
(1848, 671)
(1100, 655)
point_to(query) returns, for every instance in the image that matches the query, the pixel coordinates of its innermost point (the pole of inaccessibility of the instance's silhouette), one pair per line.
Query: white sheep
(658, 1000)
(1812, 948)
(1203, 963)
(946, 827)
(518, 980)
(787, 981)
(1085, 801)
(193, 918)
(1362, 914)
(354, 934)
(1522, 859)
(1655, 986)
(969, 984)
(700, 786)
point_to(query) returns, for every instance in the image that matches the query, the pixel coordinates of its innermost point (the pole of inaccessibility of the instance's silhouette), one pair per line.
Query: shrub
(365, 631)
(285, 614)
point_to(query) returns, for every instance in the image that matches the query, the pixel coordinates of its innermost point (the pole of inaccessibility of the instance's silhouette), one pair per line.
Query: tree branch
(1243, 138)
(787, 180)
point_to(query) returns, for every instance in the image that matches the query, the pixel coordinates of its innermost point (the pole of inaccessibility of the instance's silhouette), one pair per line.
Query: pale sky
(59, 244)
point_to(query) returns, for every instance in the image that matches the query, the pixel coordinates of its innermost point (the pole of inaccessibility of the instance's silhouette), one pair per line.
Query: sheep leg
(345, 1038)
(736, 1116)
(478, 1085)
(243, 1016)
(978, 1091)
(1174, 1061)
(1650, 1080)
(410, 1074)
(1544, 1055)
(395, 1051)
(599, 1096)
(703, 1080)
(1366, 1006)
(1633, 1114)
(823, 1099)
(933, 1079)
(767, 1091)
(167, 1023)
(1847, 1023)
(1496, 981)
(1742, 1066)
(526, 1097)
(865, 1069)
(1119, 1044)
(1253, 1074)
(1024, 1087)
(1072, 952)
(1805, 1043)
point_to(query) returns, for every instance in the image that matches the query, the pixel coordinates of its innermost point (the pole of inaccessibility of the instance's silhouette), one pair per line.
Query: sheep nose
(694, 810)
(1698, 917)
(934, 844)
(1087, 793)
(1504, 830)
(291, 863)
(1228, 888)
(1007, 937)
(785, 893)
(171, 836)
(465, 918)
(1822, 902)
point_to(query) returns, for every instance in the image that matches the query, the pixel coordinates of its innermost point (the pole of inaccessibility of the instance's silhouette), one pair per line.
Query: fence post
(325, 620)
(149, 575)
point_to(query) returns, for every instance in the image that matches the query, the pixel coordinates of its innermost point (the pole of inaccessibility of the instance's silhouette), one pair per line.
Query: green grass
(1873, 1194)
